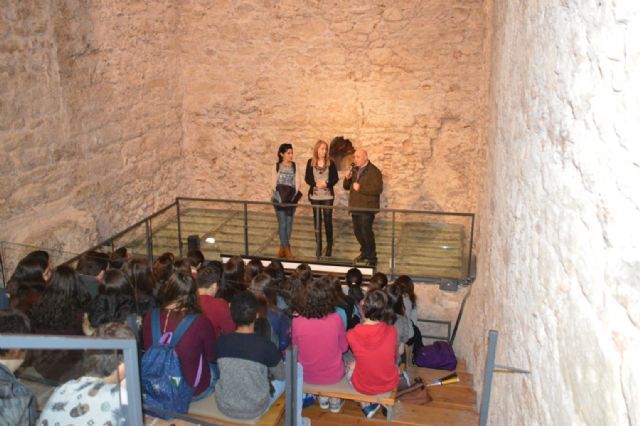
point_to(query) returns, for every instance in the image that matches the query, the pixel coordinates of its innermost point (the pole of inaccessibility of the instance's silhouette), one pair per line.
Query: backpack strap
(155, 326)
(181, 329)
(177, 335)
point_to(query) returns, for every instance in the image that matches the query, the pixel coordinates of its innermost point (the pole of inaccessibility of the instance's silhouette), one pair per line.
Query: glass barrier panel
(134, 240)
(218, 224)
(432, 245)
(164, 233)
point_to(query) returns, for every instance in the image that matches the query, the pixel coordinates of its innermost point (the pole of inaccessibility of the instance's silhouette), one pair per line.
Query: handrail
(268, 203)
(121, 233)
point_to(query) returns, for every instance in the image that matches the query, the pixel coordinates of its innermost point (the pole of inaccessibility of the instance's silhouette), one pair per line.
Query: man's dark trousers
(363, 230)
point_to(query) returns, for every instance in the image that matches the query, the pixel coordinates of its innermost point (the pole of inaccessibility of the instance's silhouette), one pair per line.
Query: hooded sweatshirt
(374, 347)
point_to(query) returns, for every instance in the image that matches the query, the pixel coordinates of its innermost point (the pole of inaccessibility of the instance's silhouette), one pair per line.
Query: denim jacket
(17, 403)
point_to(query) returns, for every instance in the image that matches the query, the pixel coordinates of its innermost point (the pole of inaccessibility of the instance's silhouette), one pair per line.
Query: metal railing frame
(394, 212)
(489, 368)
(245, 208)
(127, 346)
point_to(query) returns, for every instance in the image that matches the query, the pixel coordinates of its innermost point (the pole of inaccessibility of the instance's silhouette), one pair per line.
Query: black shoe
(371, 262)
(327, 252)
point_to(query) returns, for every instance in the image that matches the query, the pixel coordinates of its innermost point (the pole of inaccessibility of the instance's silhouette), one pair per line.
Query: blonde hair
(314, 161)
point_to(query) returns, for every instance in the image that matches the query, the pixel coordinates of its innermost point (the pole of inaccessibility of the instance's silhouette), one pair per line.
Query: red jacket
(374, 348)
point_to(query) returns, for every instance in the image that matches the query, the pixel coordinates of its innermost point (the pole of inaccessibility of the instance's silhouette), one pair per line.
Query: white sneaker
(305, 421)
(335, 404)
(324, 402)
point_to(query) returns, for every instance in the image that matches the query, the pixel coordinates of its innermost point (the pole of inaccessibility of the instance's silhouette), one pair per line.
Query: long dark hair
(281, 150)
(406, 284)
(28, 275)
(62, 299)
(233, 273)
(138, 272)
(354, 283)
(115, 299)
(181, 290)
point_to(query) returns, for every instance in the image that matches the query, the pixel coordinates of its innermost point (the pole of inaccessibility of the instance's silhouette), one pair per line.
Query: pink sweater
(321, 343)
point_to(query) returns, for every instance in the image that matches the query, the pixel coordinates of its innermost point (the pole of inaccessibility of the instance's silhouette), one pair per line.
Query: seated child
(99, 398)
(245, 360)
(374, 347)
(17, 402)
(319, 334)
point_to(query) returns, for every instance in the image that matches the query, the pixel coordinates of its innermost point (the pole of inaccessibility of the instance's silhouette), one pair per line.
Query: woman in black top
(321, 175)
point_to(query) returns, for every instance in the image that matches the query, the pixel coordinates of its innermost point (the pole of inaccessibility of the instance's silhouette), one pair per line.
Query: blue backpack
(163, 384)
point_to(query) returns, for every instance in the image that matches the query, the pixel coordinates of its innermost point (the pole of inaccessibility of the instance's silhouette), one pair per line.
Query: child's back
(243, 390)
(374, 349)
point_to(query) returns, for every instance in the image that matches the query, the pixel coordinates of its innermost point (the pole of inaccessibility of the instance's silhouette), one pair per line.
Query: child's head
(13, 321)
(396, 303)
(378, 281)
(354, 277)
(208, 278)
(376, 307)
(244, 308)
(253, 268)
(406, 284)
(196, 259)
(318, 299)
(303, 271)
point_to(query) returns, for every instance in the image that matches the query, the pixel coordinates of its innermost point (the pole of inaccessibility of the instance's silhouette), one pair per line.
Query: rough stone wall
(559, 263)
(90, 117)
(406, 80)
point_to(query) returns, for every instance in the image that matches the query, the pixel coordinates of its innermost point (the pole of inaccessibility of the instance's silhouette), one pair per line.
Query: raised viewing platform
(421, 244)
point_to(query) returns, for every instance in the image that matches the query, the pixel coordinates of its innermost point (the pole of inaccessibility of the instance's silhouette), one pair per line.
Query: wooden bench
(344, 390)
(207, 409)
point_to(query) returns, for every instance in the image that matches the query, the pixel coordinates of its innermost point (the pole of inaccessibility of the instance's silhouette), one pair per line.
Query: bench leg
(389, 413)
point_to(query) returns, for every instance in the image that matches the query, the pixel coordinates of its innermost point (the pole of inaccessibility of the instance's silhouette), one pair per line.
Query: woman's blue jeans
(285, 224)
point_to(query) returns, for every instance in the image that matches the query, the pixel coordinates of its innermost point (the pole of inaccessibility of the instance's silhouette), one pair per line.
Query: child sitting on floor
(374, 347)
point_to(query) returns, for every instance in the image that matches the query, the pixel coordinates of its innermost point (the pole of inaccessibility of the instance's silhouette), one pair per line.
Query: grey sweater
(245, 362)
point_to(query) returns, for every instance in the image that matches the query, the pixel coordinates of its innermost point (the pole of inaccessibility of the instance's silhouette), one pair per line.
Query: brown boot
(280, 252)
(287, 253)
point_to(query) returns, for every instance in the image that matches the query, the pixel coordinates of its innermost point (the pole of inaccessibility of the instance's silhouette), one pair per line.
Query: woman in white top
(287, 185)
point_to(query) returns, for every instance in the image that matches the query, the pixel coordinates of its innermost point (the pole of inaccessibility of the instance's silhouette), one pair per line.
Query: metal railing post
(393, 244)
(291, 384)
(469, 255)
(488, 377)
(246, 229)
(179, 226)
(147, 227)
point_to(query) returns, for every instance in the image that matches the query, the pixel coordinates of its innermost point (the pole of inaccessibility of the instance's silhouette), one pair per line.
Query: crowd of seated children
(314, 314)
